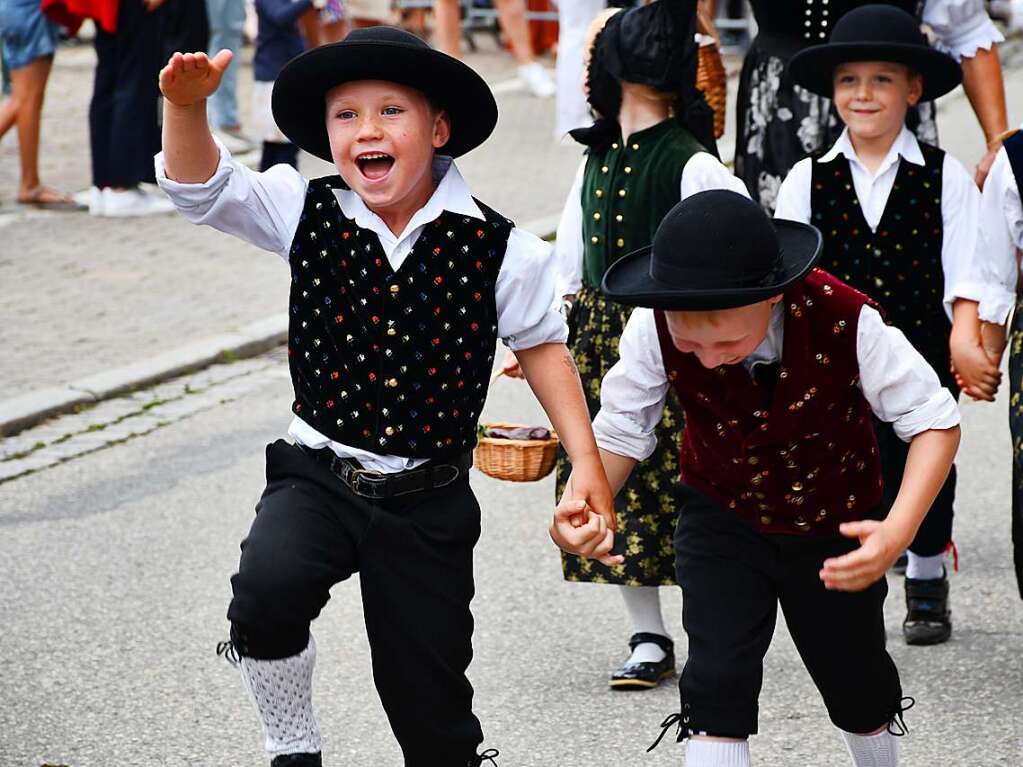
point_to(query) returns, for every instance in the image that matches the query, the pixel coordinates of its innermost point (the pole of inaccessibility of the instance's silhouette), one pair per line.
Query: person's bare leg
(28, 83)
(309, 25)
(335, 31)
(447, 27)
(512, 16)
(9, 113)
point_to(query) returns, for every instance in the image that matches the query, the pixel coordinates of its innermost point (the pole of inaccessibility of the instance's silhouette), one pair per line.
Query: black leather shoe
(645, 676)
(928, 619)
(297, 760)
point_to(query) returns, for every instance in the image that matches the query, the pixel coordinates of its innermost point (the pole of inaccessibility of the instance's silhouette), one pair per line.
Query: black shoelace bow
(897, 725)
(488, 755)
(665, 726)
(227, 651)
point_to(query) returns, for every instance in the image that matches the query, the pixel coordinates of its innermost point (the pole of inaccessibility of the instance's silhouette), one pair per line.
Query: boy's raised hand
(879, 547)
(189, 78)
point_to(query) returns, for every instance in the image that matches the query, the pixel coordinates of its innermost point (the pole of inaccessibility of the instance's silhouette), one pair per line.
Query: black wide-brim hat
(876, 33)
(714, 250)
(392, 55)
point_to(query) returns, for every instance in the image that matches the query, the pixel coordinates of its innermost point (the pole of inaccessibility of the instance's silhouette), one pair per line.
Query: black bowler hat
(381, 53)
(876, 33)
(714, 250)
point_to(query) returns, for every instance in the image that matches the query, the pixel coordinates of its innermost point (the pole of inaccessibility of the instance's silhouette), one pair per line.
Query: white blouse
(961, 27)
(1001, 232)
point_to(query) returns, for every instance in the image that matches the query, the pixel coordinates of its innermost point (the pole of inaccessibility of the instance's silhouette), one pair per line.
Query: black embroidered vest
(899, 264)
(394, 363)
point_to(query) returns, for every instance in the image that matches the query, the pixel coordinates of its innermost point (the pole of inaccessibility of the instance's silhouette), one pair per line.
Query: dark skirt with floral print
(1016, 431)
(646, 507)
(778, 123)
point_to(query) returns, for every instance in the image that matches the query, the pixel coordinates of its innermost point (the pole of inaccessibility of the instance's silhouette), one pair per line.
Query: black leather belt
(378, 485)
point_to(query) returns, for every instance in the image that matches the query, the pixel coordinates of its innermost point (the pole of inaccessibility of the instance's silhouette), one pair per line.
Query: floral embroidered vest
(803, 459)
(393, 362)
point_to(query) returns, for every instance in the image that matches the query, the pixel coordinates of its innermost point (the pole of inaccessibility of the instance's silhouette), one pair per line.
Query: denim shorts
(26, 33)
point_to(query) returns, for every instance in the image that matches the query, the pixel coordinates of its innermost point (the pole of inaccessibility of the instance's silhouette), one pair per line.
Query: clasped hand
(584, 522)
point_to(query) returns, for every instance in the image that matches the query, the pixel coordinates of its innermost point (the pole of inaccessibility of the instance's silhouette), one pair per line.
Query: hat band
(661, 271)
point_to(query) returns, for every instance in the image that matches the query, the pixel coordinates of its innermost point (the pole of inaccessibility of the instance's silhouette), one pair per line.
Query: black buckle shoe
(297, 760)
(645, 675)
(928, 619)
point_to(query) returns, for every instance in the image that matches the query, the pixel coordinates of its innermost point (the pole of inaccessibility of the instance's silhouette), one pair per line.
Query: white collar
(905, 146)
(452, 195)
(770, 349)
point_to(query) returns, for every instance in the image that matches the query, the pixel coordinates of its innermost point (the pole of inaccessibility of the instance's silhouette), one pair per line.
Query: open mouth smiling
(374, 165)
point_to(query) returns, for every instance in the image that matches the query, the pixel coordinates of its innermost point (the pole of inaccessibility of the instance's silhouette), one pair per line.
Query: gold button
(596, 217)
(389, 431)
(594, 239)
(604, 169)
(620, 243)
(599, 193)
(391, 331)
(752, 460)
(393, 383)
(765, 520)
(621, 192)
(619, 218)
(635, 147)
(802, 524)
(797, 486)
(395, 288)
(628, 169)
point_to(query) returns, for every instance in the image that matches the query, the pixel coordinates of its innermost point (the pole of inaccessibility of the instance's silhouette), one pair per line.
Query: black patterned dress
(1014, 150)
(626, 191)
(777, 122)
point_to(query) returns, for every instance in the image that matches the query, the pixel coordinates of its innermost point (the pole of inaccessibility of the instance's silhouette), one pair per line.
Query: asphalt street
(116, 568)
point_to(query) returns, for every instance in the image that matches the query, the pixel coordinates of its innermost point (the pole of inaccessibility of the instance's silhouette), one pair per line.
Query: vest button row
(395, 288)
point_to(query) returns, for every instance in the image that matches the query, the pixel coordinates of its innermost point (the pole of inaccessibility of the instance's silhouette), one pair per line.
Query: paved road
(115, 571)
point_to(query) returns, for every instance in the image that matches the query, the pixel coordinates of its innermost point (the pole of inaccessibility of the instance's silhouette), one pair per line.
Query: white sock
(925, 568)
(881, 750)
(644, 606)
(283, 693)
(717, 753)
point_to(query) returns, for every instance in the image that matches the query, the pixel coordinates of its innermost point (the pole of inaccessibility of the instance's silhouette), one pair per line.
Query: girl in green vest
(651, 144)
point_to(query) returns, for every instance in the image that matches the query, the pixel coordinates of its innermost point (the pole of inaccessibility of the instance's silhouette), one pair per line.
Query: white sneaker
(132, 202)
(234, 143)
(537, 80)
(92, 197)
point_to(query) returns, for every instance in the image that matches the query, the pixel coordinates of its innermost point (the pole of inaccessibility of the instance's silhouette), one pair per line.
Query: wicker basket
(712, 80)
(516, 460)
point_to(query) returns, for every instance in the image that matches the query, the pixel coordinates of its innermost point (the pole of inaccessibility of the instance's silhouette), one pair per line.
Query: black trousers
(935, 531)
(124, 128)
(414, 558)
(733, 579)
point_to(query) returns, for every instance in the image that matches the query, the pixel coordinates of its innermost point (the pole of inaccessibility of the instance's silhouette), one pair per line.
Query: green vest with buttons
(627, 190)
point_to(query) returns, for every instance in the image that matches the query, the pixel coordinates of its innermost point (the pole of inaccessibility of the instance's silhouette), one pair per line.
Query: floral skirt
(646, 507)
(1016, 432)
(778, 124)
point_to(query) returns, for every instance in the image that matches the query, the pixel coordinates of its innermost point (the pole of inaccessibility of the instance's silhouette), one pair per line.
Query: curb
(28, 410)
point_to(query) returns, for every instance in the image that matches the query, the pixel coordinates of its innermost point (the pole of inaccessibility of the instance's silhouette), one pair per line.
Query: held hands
(880, 546)
(975, 370)
(584, 522)
(190, 78)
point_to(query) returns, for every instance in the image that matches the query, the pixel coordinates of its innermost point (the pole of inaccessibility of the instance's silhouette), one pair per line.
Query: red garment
(804, 460)
(71, 13)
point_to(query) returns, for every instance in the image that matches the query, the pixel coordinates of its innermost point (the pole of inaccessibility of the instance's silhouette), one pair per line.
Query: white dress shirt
(702, 172)
(264, 209)
(960, 206)
(1001, 232)
(961, 27)
(898, 384)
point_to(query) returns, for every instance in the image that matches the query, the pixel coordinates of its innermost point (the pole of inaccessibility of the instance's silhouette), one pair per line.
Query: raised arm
(190, 156)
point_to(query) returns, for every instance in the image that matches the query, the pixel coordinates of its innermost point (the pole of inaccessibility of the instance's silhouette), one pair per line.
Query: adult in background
(226, 20)
(511, 14)
(29, 43)
(778, 123)
(123, 122)
(574, 17)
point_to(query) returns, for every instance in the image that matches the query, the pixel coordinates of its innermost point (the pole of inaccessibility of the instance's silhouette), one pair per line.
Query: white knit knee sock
(880, 750)
(925, 568)
(717, 753)
(644, 606)
(283, 693)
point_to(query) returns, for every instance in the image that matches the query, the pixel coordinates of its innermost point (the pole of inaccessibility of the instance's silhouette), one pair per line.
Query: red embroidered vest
(805, 459)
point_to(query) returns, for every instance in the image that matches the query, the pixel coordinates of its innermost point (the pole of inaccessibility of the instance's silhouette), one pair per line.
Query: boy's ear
(441, 129)
(916, 88)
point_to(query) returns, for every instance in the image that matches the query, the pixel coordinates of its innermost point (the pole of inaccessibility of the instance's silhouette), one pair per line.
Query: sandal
(47, 198)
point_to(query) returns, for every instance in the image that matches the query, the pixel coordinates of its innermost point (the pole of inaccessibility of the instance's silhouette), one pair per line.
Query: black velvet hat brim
(300, 90)
(814, 68)
(628, 280)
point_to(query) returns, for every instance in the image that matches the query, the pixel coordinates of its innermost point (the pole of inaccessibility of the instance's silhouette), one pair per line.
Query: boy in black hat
(778, 368)
(401, 285)
(900, 222)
